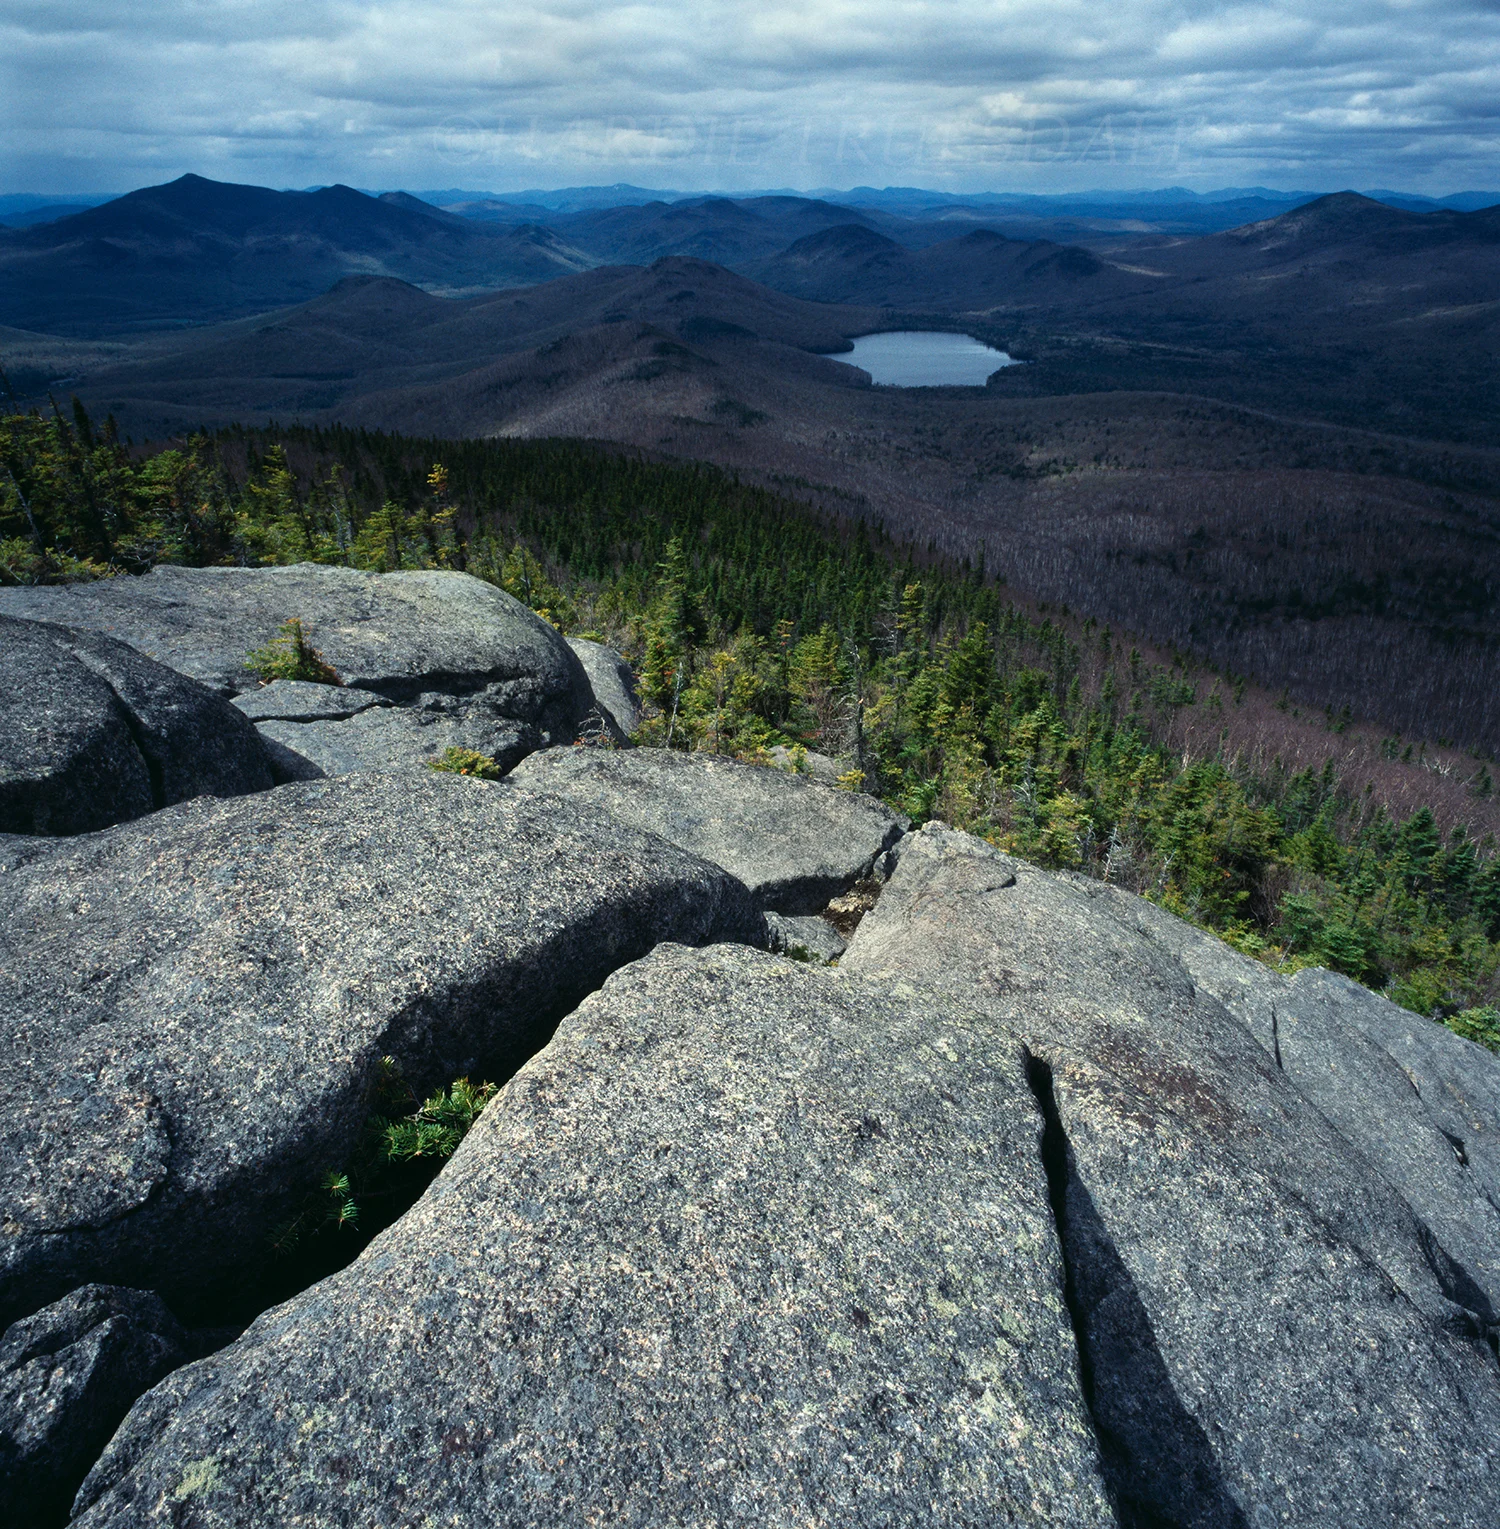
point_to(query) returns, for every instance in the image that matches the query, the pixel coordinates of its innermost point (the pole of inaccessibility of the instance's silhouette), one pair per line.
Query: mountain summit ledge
(1038, 1206)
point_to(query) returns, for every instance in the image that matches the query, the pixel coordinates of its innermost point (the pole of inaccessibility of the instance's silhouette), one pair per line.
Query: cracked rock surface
(93, 733)
(195, 1004)
(1270, 1334)
(748, 1243)
(404, 738)
(793, 842)
(300, 701)
(396, 633)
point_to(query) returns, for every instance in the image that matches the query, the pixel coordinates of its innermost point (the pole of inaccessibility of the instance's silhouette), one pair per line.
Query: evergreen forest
(757, 623)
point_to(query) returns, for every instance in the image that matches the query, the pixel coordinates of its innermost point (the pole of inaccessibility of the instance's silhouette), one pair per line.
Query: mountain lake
(926, 358)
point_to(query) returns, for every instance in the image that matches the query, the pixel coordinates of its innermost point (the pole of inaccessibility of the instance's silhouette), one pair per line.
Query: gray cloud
(972, 94)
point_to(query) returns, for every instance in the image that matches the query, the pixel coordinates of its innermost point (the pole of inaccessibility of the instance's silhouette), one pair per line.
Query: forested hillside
(755, 622)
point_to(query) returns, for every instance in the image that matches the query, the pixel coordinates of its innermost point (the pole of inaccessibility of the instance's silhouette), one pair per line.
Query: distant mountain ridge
(728, 231)
(977, 270)
(49, 213)
(1343, 308)
(579, 198)
(1346, 215)
(30, 201)
(197, 250)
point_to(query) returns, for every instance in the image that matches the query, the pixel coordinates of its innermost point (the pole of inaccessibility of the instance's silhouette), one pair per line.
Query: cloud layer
(962, 94)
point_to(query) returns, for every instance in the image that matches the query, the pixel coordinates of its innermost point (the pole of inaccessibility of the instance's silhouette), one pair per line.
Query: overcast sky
(952, 94)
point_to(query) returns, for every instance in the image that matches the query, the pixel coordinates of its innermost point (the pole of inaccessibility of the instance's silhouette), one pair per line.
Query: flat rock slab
(1457, 1081)
(402, 738)
(1420, 1103)
(795, 844)
(68, 1376)
(612, 683)
(300, 701)
(1269, 1334)
(195, 1005)
(747, 1244)
(396, 633)
(93, 733)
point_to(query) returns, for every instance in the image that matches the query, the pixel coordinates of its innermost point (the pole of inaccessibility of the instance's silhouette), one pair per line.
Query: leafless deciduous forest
(1297, 480)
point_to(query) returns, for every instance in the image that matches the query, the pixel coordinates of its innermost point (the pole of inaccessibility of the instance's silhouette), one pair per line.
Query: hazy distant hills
(1349, 247)
(197, 250)
(728, 232)
(1343, 269)
(372, 338)
(1162, 209)
(23, 209)
(916, 217)
(977, 271)
(50, 212)
(1338, 227)
(1343, 308)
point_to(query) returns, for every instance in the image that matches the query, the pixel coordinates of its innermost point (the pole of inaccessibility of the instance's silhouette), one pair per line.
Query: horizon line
(1094, 193)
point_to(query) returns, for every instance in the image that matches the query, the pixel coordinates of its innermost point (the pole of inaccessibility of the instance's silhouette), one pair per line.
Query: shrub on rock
(291, 656)
(458, 761)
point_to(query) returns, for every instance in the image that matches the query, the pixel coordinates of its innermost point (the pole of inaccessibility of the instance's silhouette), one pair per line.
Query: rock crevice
(240, 967)
(154, 773)
(1155, 1456)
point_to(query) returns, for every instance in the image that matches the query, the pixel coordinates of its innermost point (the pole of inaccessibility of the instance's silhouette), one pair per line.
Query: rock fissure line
(1276, 1039)
(498, 1066)
(1474, 1316)
(1156, 1460)
(153, 765)
(1055, 1166)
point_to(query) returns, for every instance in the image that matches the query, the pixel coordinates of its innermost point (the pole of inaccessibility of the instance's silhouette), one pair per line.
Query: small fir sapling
(291, 656)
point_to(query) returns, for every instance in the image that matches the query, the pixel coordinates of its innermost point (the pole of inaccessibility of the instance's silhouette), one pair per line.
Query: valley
(1201, 445)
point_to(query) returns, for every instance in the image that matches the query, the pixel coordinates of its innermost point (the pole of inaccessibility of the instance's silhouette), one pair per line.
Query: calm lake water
(926, 358)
